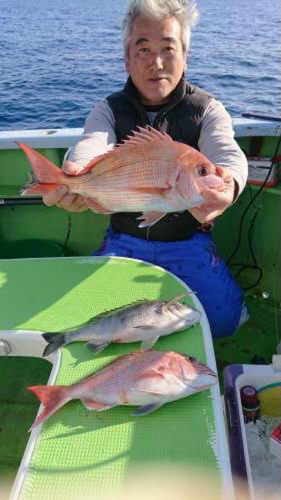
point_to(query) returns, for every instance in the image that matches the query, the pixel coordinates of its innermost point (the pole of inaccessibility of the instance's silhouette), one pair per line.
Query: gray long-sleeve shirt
(216, 139)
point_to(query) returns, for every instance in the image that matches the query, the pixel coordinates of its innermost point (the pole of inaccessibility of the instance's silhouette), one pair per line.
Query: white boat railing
(68, 137)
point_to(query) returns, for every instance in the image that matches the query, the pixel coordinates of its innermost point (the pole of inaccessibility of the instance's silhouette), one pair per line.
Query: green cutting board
(82, 453)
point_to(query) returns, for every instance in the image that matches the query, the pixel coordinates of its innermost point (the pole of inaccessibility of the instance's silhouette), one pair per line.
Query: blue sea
(59, 57)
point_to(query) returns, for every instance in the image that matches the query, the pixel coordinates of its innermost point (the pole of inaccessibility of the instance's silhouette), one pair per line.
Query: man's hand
(216, 201)
(62, 198)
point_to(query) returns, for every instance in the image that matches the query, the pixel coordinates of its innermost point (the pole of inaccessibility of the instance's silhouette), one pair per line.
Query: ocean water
(59, 57)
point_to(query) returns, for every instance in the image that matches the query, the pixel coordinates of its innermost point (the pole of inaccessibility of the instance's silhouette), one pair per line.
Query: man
(156, 40)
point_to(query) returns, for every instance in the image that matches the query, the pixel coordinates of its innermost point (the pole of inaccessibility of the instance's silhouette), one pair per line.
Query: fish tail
(52, 397)
(55, 340)
(46, 174)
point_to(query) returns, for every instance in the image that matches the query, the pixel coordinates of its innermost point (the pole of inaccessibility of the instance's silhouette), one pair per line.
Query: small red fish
(145, 378)
(148, 173)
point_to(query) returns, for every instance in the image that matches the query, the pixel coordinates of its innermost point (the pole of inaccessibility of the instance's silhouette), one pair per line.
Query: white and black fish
(143, 321)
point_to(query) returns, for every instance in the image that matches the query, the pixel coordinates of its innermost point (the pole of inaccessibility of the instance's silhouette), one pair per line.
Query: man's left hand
(216, 201)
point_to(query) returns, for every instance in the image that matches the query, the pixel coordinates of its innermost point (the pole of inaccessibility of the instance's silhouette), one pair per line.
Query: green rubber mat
(18, 409)
(255, 342)
(79, 452)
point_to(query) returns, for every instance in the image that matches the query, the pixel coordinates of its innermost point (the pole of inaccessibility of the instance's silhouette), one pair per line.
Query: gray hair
(185, 11)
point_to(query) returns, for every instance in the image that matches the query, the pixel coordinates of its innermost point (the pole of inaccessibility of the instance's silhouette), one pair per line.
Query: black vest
(181, 119)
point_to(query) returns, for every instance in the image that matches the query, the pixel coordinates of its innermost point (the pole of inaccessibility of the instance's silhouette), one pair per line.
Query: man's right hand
(62, 198)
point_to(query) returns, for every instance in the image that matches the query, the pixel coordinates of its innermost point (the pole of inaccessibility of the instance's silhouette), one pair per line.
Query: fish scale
(133, 174)
(137, 200)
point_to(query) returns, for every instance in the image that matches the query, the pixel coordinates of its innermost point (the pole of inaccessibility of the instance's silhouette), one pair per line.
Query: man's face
(155, 59)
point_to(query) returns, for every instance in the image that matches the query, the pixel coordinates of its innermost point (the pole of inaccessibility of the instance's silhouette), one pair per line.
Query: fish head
(197, 173)
(196, 375)
(186, 313)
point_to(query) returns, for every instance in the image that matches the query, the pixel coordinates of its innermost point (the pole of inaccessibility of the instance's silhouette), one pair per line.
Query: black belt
(175, 226)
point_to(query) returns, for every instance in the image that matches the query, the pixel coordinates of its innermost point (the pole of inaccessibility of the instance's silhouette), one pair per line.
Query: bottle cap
(249, 396)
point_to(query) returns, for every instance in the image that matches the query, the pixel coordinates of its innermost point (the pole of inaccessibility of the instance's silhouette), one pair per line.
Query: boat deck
(255, 342)
(32, 227)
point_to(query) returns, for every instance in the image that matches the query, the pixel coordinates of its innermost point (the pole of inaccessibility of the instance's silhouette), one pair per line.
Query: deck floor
(17, 412)
(255, 342)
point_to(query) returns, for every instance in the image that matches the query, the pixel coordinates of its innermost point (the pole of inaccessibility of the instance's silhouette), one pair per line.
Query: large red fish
(148, 173)
(145, 378)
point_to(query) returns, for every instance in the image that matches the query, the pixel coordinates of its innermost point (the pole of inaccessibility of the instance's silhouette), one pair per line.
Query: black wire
(255, 265)
(250, 204)
(255, 268)
(250, 238)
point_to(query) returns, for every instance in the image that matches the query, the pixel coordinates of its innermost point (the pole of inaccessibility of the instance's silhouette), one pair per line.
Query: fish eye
(203, 171)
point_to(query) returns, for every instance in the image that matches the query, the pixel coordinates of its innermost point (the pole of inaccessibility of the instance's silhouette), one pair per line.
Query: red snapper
(145, 378)
(148, 173)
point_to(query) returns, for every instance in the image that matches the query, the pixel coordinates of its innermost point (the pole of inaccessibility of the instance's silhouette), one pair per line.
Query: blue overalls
(196, 262)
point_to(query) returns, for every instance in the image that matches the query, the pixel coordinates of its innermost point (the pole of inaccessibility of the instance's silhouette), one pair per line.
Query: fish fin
(179, 297)
(96, 207)
(146, 409)
(89, 167)
(52, 397)
(34, 187)
(95, 347)
(149, 342)
(115, 310)
(93, 405)
(172, 181)
(150, 218)
(144, 136)
(44, 170)
(55, 340)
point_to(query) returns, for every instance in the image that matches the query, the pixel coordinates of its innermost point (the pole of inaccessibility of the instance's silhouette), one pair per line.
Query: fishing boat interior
(49, 283)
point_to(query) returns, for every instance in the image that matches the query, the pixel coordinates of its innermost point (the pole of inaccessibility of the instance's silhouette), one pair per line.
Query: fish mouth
(209, 372)
(218, 170)
(215, 182)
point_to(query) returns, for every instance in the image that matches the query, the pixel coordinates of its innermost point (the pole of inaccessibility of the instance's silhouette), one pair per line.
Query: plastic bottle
(250, 403)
